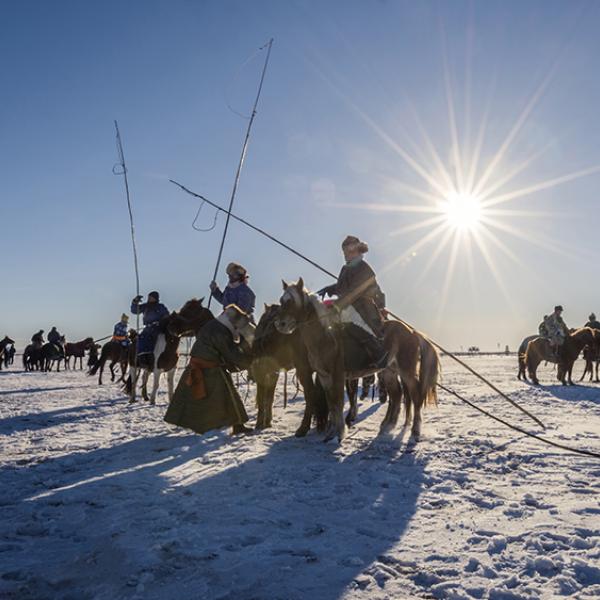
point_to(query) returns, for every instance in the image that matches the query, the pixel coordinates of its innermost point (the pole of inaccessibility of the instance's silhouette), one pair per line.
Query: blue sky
(350, 90)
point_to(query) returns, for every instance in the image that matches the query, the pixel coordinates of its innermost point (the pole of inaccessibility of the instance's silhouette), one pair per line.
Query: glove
(137, 299)
(213, 286)
(326, 291)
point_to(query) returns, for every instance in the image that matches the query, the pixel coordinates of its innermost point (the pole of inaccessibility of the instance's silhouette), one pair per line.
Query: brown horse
(412, 361)
(164, 359)
(539, 350)
(591, 355)
(274, 352)
(522, 375)
(77, 351)
(113, 352)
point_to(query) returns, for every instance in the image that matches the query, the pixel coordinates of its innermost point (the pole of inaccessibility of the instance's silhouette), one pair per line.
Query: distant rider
(237, 291)
(557, 330)
(153, 311)
(37, 339)
(55, 338)
(121, 330)
(593, 322)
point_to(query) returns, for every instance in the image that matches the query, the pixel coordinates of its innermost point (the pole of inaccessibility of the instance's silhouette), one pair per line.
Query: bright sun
(463, 211)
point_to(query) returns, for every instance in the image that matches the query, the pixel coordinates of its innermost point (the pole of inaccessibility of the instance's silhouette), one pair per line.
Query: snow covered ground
(102, 500)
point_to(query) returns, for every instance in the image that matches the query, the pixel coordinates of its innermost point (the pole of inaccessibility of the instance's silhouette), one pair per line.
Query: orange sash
(195, 377)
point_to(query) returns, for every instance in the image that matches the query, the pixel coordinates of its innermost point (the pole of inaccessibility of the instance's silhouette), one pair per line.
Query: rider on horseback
(121, 330)
(55, 338)
(357, 286)
(593, 322)
(153, 312)
(237, 291)
(556, 330)
(37, 339)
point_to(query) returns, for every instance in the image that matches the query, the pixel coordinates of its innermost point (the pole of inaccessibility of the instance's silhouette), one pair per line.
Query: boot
(241, 429)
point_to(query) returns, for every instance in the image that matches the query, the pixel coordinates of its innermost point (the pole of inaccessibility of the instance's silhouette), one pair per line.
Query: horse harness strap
(195, 377)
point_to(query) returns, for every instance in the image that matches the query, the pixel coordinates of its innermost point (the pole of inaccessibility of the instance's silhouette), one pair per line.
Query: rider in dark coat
(54, 337)
(153, 312)
(357, 286)
(37, 339)
(593, 322)
(206, 397)
(237, 291)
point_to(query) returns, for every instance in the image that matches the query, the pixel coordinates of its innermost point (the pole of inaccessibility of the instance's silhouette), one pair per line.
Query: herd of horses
(302, 333)
(535, 349)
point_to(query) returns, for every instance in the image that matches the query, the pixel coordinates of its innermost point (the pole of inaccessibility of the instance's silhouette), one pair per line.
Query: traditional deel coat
(557, 329)
(206, 397)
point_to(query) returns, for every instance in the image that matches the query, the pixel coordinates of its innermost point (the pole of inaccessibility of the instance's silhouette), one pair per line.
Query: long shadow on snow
(37, 390)
(296, 522)
(43, 420)
(583, 391)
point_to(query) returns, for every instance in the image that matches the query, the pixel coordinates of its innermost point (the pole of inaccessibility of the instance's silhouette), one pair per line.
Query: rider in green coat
(206, 397)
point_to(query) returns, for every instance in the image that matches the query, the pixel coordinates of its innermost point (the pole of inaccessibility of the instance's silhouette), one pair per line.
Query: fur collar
(225, 321)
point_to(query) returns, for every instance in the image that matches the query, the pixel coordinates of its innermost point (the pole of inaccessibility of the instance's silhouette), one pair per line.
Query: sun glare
(462, 211)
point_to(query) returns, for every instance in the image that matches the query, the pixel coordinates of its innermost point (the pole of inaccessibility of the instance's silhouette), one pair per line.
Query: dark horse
(50, 354)
(412, 361)
(591, 356)
(77, 350)
(3, 344)
(273, 352)
(522, 374)
(113, 352)
(165, 357)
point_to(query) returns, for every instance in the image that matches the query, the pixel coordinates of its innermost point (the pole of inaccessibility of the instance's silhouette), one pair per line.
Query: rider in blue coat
(121, 330)
(153, 312)
(237, 291)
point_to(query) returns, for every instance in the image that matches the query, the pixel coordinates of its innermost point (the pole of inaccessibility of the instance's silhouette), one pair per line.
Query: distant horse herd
(298, 334)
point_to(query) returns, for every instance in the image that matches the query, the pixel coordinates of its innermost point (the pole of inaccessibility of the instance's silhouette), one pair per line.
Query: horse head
(293, 306)
(189, 319)
(88, 343)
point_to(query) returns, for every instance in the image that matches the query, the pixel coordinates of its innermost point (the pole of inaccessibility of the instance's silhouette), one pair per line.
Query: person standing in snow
(153, 311)
(237, 291)
(206, 397)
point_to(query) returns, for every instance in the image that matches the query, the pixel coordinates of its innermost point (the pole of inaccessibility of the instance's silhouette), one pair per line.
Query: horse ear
(285, 285)
(202, 300)
(300, 284)
(266, 305)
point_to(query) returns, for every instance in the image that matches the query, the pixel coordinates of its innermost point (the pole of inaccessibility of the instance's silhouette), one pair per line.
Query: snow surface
(102, 500)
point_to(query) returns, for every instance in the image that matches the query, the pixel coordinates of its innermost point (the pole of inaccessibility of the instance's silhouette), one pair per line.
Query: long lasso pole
(236, 181)
(322, 269)
(121, 169)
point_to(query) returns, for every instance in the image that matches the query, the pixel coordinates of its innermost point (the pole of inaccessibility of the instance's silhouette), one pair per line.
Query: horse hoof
(301, 432)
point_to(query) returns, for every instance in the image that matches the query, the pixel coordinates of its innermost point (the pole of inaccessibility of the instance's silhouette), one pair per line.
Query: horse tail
(429, 371)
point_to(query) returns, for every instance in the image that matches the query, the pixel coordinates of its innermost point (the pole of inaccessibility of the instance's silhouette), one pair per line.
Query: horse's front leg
(155, 382)
(352, 391)
(145, 377)
(133, 373)
(333, 384)
(171, 383)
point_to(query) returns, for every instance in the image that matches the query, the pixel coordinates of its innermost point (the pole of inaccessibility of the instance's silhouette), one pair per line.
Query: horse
(3, 344)
(77, 350)
(32, 358)
(540, 349)
(522, 374)
(113, 352)
(412, 362)
(273, 352)
(591, 355)
(164, 358)
(50, 354)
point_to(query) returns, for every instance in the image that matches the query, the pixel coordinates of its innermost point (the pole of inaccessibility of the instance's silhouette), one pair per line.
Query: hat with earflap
(124, 317)
(558, 307)
(352, 241)
(592, 317)
(154, 295)
(234, 268)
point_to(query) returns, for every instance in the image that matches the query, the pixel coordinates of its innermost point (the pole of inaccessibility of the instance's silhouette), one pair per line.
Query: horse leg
(171, 383)
(352, 390)
(156, 379)
(310, 399)
(394, 391)
(333, 384)
(133, 373)
(145, 377)
(112, 370)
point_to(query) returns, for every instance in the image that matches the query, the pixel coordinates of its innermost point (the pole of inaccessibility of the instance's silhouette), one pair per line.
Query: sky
(373, 114)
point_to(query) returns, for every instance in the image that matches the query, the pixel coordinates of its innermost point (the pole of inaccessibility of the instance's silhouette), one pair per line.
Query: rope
(323, 270)
(519, 429)
(241, 162)
(123, 171)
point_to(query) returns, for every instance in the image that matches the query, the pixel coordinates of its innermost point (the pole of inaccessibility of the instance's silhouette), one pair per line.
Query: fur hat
(592, 317)
(154, 295)
(234, 268)
(352, 240)
(124, 317)
(558, 307)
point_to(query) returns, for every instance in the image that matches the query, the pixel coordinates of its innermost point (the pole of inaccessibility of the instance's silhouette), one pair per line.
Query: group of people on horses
(555, 330)
(54, 337)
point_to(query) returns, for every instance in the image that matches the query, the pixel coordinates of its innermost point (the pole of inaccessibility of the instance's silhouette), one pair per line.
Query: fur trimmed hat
(353, 241)
(154, 295)
(124, 317)
(558, 307)
(234, 268)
